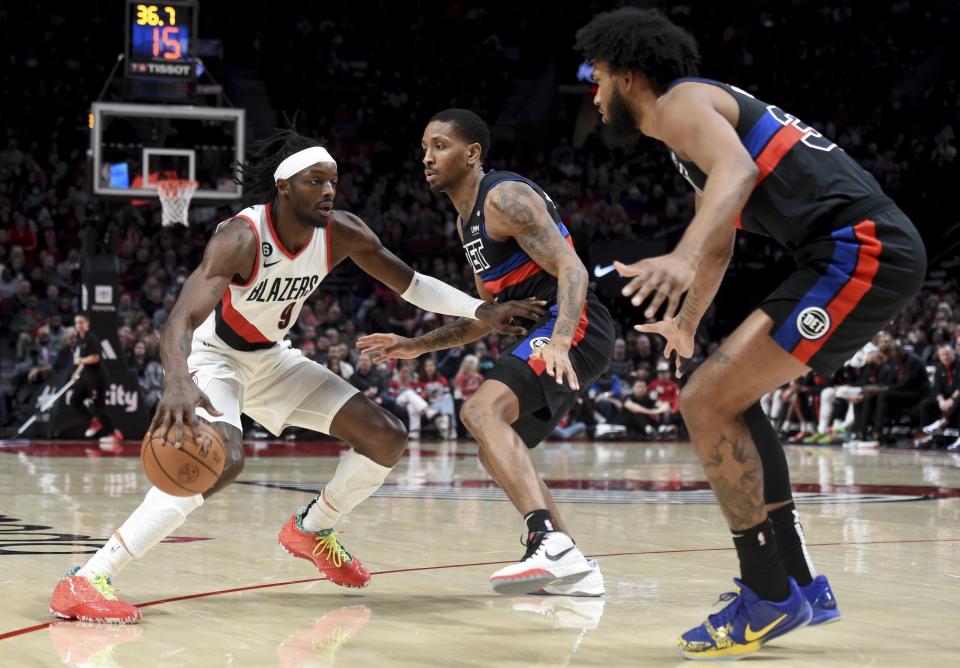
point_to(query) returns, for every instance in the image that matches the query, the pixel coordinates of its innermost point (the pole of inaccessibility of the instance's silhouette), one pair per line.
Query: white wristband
(436, 296)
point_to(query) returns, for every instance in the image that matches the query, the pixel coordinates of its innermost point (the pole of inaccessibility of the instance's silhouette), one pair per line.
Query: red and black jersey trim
(235, 330)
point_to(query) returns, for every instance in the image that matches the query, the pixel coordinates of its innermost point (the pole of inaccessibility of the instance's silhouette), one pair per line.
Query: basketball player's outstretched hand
(498, 316)
(557, 360)
(678, 340)
(178, 405)
(382, 347)
(666, 277)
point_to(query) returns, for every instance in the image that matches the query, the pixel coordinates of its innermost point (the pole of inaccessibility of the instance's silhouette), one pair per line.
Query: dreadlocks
(256, 173)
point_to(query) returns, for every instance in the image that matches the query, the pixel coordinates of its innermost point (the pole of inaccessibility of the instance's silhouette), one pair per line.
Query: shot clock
(159, 38)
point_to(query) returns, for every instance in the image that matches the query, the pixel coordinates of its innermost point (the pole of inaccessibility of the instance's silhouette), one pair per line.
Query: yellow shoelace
(328, 647)
(334, 550)
(103, 585)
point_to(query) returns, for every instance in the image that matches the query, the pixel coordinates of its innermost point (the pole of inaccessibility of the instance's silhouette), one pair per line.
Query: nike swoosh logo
(270, 264)
(559, 555)
(600, 272)
(750, 635)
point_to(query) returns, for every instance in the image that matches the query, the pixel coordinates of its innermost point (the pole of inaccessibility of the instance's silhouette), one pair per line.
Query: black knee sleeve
(776, 475)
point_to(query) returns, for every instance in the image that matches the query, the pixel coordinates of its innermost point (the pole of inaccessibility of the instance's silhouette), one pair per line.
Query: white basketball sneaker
(590, 584)
(555, 559)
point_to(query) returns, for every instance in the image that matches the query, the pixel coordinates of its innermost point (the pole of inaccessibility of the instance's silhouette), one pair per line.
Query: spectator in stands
(641, 413)
(903, 385)
(149, 374)
(664, 389)
(468, 378)
(435, 388)
(404, 389)
(620, 366)
(946, 391)
(373, 383)
(643, 353)
(485, 361)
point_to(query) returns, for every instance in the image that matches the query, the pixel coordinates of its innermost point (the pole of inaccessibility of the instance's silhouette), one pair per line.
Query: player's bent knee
(473, 413)
(235, 459)
(393, 435)
(383, 438)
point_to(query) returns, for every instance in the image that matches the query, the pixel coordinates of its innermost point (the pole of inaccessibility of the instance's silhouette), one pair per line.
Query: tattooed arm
(514, 209)
(680, 330)
(458, 333)
(707, 281)
(229, 256)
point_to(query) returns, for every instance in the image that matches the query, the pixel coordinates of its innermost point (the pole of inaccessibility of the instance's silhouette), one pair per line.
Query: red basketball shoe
(323, 548)
(91, 598)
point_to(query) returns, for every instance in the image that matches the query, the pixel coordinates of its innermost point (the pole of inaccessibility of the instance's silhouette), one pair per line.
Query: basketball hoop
(175, 197)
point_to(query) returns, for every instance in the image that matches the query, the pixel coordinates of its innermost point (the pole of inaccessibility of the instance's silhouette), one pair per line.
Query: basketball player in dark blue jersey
(859, 258)
(518, 248)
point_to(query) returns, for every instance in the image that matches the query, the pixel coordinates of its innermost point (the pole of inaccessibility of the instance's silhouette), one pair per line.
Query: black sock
(792, 544)
(539, 522)
(760, 566)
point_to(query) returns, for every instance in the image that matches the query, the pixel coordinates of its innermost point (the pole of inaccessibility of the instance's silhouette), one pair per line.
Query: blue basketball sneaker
(821, 599)
(745, 624)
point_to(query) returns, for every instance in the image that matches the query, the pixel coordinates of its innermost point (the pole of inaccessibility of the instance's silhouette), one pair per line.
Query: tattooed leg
(746, 366)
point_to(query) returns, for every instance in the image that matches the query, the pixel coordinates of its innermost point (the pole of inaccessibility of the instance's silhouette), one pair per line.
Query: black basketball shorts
(849, 285)
(542, 401)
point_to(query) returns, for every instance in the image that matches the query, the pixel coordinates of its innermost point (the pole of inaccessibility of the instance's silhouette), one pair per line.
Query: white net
(175, 197)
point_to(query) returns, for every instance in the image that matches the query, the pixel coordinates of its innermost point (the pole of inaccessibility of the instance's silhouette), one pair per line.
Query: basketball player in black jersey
(860, 260)
(518, 248)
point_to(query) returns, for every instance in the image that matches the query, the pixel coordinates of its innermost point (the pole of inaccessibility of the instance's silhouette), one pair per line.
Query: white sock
(356, 478)
(157, 517)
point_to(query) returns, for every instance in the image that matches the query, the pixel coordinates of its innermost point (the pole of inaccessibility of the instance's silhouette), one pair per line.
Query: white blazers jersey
(257, 314)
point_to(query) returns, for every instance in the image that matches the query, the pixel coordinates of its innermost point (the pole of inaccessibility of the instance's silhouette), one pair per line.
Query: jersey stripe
(518, 259)
(854, 263)
(233, 319)
(517, 275)
(775, 146)
(760, 134)
(859, 284)
(781, 143)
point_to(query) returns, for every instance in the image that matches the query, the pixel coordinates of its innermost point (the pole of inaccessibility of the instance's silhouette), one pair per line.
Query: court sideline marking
(186, 597)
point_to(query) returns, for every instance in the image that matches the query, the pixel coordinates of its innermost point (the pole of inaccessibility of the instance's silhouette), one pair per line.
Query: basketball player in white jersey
(224, 353)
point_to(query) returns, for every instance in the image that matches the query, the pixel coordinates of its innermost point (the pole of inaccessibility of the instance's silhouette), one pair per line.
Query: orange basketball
(190, 469)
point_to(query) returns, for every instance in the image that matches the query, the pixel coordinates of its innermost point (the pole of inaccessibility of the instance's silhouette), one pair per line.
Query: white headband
(301, 160)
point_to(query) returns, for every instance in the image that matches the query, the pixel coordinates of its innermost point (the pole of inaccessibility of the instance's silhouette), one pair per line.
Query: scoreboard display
(159, 39)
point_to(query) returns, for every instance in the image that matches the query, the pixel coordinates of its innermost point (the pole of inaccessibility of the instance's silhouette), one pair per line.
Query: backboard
(134, 145)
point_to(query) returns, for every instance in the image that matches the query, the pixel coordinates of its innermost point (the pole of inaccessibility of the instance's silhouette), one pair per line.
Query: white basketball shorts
(268, 385)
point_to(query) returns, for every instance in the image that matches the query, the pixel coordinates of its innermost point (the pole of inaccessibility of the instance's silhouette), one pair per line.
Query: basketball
(190, 469)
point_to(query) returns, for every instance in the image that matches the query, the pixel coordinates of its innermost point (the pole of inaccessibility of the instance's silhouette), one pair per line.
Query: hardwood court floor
(884, 526)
